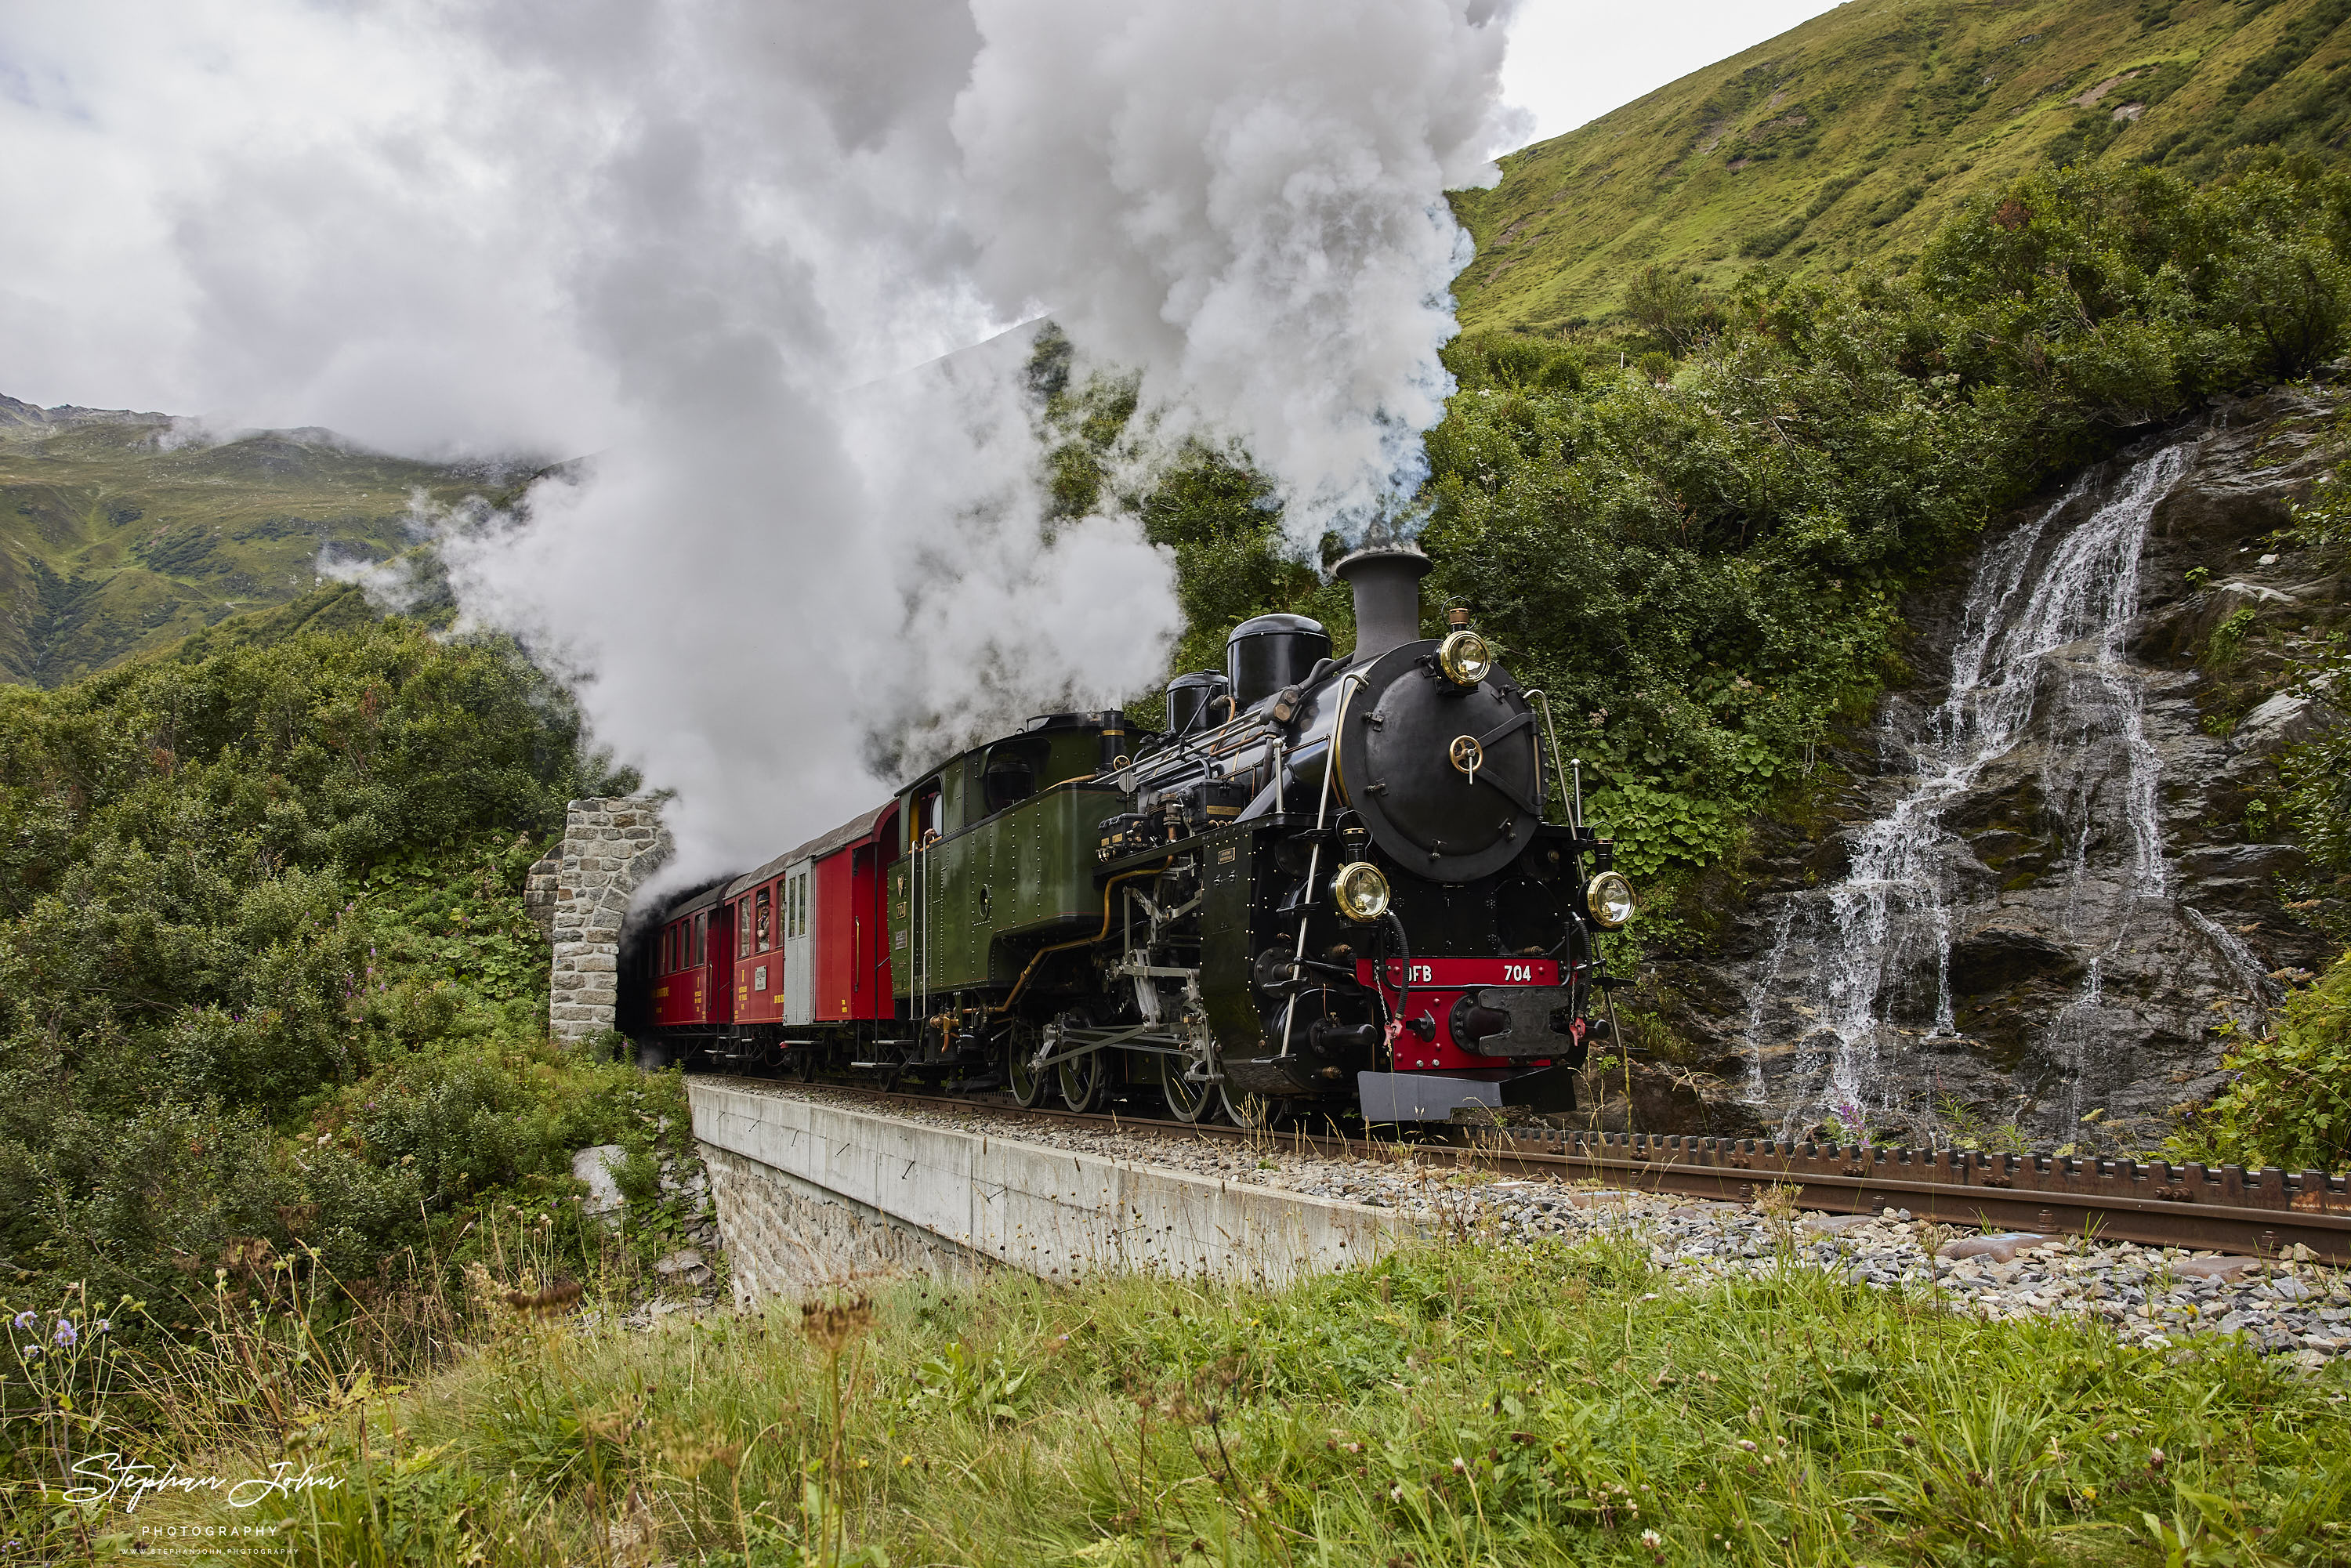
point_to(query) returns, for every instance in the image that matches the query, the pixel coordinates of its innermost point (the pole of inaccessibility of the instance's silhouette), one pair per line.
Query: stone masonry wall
(787, 1238)
(610, 846)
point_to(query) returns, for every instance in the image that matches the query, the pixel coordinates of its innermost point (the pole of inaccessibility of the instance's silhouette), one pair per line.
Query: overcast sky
(1574, 60)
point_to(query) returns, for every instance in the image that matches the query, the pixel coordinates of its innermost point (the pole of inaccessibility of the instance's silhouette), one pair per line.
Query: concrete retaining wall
(960, 1197)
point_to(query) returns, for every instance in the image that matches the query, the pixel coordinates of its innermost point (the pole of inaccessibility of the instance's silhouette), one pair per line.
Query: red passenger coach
(796, 951)
(690, 964)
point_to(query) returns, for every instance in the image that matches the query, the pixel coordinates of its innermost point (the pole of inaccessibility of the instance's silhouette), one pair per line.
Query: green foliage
(265, 972)
(2288, 1102)
(2227, 644)
(1670, 309)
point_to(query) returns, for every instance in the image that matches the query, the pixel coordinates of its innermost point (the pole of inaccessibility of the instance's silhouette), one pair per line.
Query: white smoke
(1245, 199)
(708, 244)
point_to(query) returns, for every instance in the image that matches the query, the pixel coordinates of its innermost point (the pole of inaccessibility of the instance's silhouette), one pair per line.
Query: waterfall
(2042, 693)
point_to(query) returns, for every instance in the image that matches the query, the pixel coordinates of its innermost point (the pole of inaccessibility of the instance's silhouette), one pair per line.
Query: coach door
(799, 894)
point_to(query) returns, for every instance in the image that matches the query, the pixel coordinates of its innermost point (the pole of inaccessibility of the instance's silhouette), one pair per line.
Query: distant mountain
(120, 534)
(1857, 133)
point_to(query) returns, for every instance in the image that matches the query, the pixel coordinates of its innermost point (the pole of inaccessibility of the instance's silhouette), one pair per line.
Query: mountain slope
(115, 540)
(1857, 133)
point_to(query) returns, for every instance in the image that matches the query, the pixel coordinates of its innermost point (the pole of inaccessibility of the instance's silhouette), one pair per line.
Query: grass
(1859, 133)
(113, 543)
(1456, 1405)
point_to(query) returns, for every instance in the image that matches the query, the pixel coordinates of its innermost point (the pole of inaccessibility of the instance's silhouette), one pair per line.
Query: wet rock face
(2037, 902)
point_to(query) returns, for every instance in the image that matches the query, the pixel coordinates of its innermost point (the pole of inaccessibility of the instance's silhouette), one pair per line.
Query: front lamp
(1465, 658)
(1361, 892)
(1609, 897)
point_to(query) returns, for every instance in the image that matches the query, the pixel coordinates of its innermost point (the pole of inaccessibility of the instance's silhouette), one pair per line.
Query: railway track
(2264, 1213)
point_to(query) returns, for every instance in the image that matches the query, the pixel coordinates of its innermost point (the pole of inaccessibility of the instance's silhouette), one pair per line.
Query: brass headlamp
(1465, 658)
(1361, 892)
(1609, 898)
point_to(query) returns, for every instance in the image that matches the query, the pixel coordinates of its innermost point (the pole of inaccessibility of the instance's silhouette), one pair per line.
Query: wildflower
(66, 1336)
(26, 1320)
(1748, 1444)
(30, 1352)
(1395, 1493)
(102, 1325)
(2155, 1458)
(1460, 1467)
(1652, 1540)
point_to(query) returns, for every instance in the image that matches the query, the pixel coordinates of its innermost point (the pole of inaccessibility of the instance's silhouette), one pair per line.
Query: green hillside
(115, 541)
(1857, 133)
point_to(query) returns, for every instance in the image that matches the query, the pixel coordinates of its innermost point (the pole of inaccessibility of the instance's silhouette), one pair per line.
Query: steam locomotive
(1328, 885)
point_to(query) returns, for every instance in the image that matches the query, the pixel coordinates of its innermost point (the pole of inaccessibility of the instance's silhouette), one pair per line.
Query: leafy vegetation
(1857, 136)
(2289, 1101)
(267, 990)
(1454, 1404)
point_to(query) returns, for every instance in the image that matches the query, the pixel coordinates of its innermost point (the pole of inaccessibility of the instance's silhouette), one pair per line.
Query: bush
(2289, 1103)
(265, 974)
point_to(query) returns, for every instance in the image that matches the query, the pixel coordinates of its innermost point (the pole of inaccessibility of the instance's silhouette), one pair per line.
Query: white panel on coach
(798, 921)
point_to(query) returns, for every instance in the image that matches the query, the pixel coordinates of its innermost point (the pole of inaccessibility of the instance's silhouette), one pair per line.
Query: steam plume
(680, 237)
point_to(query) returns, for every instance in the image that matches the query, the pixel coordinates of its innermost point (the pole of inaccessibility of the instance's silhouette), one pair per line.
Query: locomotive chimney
(1386, 581)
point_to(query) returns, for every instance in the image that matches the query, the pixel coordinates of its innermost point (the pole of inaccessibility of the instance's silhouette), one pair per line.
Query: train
(1327, 887)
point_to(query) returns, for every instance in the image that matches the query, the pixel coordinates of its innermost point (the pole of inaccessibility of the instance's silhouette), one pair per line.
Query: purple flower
(65, 1335)
(24, 1320)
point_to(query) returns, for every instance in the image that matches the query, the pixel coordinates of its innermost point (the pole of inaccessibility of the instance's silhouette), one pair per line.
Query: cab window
(926, 818)
(1012, 771)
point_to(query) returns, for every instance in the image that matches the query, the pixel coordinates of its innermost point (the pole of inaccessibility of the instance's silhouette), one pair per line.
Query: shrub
(2289, 1103)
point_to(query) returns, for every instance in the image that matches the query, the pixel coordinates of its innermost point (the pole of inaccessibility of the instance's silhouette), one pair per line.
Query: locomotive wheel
(1085, 1081)
(1186, 1101)
(1250, 1110)
(1027, 1084)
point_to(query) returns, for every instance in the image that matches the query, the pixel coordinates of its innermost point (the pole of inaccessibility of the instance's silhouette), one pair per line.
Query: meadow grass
(1452, 1404)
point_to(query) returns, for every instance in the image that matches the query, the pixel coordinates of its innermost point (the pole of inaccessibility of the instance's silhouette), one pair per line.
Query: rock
(679, 1262)
(595, 1167)
(2004, 1248)
(2278, 721)
(2215, 1268)
(1836, 1224)
(1997, 958)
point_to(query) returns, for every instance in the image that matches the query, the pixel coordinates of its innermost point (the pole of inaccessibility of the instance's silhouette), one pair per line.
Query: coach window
(742, 928)
(700, 937)
(669, 938)
(766, 933)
